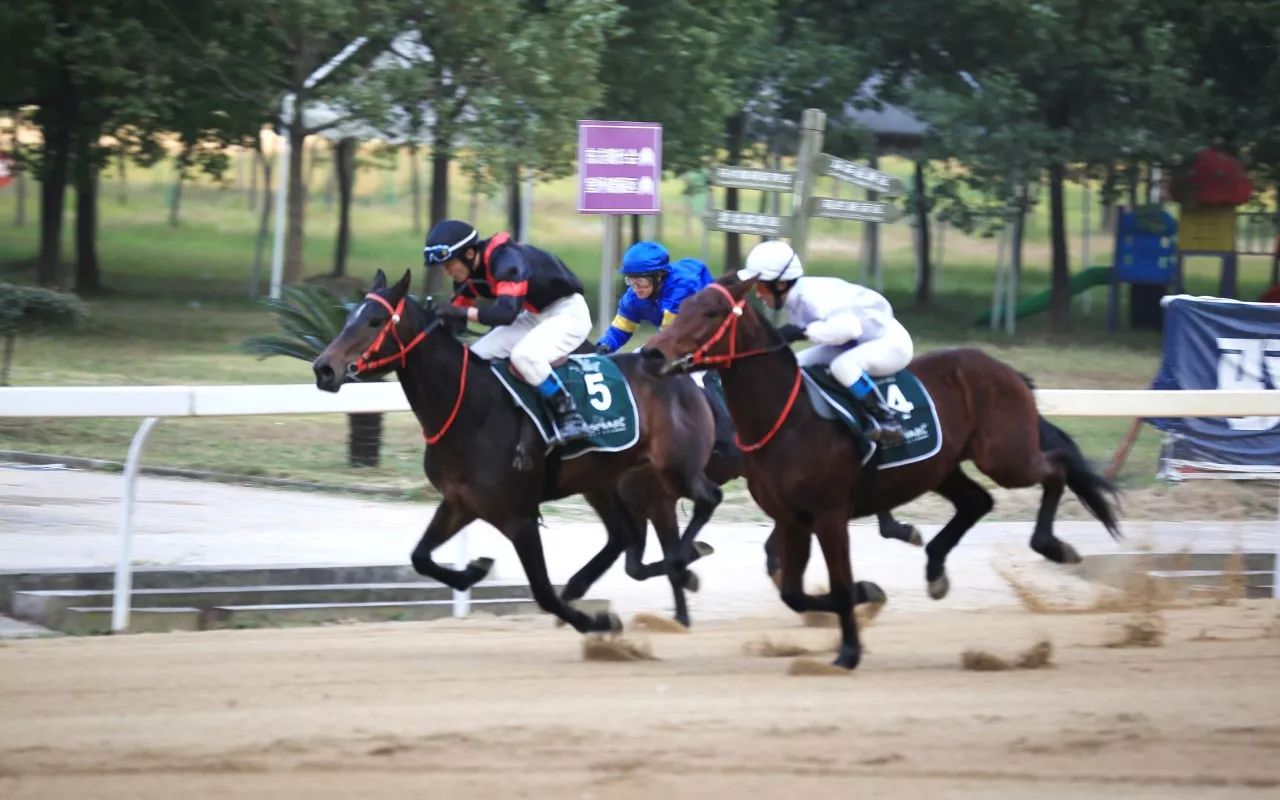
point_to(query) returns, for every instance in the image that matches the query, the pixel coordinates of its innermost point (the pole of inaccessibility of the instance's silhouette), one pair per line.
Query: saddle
(903, 392)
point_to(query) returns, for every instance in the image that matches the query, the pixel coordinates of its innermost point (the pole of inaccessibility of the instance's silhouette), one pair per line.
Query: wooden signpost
(811, 164)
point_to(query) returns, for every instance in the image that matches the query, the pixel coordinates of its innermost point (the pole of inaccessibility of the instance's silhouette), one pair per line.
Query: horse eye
(376, 323)
(712, 314)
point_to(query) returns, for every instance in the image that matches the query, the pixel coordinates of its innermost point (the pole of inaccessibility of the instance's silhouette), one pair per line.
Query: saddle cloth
(903, 392)
(601, 393)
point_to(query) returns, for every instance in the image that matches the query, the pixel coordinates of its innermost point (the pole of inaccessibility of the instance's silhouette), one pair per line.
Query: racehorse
(804, 473)
(489, 462)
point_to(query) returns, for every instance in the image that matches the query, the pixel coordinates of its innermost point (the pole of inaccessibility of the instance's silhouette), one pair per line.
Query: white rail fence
(152, 403)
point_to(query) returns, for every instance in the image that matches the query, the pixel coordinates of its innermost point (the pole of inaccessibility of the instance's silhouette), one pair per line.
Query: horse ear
(743, 288)
(379, 281)
(402, 285)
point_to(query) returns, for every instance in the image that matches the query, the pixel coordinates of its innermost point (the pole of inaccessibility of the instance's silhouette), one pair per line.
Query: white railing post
(124, 564)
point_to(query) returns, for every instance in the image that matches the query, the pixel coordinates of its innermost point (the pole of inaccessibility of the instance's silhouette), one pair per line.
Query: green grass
(177, 305)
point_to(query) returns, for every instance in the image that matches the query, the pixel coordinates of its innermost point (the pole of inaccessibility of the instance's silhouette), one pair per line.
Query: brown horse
(489, 462)
(804, 471)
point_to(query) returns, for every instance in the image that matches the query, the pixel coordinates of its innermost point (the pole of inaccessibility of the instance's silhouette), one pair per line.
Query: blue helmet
(645, 258)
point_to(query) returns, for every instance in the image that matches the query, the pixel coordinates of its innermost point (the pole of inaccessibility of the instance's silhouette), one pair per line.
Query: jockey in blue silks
(655, 290)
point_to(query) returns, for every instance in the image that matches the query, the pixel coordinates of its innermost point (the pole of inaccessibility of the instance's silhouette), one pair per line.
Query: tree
(514, 101)
(1055, 83)
(22, 307)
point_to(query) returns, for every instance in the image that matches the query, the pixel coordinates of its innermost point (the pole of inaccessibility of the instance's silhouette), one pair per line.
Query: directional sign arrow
(747, 178)
(747, 222)
(858, 175)
(861, 210)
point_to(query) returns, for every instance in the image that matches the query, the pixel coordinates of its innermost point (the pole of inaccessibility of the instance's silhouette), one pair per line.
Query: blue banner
(1211, 343)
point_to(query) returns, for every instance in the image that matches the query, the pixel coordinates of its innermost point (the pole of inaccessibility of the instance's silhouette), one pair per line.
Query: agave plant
(309, 318)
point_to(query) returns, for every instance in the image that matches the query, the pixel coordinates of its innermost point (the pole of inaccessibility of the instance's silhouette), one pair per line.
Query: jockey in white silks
(852, 327)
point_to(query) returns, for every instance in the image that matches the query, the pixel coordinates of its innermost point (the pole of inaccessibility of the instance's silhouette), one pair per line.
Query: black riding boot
(569, 420)
(890, 432)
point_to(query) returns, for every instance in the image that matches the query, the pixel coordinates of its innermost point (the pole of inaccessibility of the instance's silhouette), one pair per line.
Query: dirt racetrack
(496, 708)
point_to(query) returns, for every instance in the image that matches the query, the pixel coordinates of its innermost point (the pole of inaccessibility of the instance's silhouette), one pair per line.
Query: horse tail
(1096, 492)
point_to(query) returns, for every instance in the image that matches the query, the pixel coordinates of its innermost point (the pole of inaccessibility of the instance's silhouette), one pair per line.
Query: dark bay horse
(804, 471)
(489, 462)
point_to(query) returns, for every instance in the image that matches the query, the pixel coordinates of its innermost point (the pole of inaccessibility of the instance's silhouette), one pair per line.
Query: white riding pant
(534, 340)
(882, 356)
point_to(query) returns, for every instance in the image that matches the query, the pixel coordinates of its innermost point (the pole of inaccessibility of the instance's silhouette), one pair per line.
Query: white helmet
(772, 261)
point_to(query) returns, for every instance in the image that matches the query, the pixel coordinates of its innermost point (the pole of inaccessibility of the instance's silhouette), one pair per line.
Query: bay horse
(488, 461)
(804, 471)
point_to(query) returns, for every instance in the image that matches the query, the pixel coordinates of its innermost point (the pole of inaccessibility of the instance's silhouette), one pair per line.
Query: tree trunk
(175, 197)
(8, 359)
(297, 205)
(1060, 284)
(253, 182)
(514, 207)
(20, 210)
(635, 229)
(122, 187)
(344, 164)
(87, 278)
(1108, 199)
(924, 276)
(735, 129)
(439, 203)
(264, 225)
(364, 439)
(1131, 177)
(415, 187)
(53, 184)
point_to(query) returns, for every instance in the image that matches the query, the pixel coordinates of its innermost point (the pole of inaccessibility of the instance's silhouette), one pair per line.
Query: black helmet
(446, 239)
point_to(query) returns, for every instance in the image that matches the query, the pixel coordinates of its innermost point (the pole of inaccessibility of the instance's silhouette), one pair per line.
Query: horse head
(716, 326)
(377, 335)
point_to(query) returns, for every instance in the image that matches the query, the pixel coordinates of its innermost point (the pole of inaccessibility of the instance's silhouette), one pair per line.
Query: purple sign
(619, 167)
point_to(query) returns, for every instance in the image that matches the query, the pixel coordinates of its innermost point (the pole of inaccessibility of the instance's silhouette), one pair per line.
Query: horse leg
(772, 562)
(447, 521)
(891, 528)
(832, 530)
(523, 532)
(706, 498)
(618, 530)
(1043, 540)
(972, 503)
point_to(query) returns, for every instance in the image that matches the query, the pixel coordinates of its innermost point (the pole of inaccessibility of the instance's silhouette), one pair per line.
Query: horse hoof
(913, 536)
(1070, 555)
(691, 582)
(480, 567)
(938, 588)
(776, 577)
(872, 593)
(848, 657)
(702, 549)
(607, 622)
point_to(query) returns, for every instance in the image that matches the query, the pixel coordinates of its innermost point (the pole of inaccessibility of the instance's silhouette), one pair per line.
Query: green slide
(1036, 303)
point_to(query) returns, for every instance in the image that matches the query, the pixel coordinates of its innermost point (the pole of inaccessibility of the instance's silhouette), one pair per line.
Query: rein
(364, 364)
(730, 327)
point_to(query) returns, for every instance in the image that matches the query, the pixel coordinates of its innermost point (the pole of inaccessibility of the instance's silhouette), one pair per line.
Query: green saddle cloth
(903, 392)
(601, 393)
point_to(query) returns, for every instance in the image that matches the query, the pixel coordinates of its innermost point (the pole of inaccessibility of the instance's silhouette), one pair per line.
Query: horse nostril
(324, 372)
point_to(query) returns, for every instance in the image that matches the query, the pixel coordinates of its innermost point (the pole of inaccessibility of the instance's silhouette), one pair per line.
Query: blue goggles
(440, 253)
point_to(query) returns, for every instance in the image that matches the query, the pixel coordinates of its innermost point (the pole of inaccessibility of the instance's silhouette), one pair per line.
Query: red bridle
(364, 364)
(730, 326)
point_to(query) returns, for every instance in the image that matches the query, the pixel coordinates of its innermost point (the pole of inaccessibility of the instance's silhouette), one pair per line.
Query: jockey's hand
(603, 349)
(791, 333)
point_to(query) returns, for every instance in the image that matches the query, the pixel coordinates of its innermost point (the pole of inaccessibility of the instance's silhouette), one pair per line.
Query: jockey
(655, 290)
(538, 313)
(852, 327)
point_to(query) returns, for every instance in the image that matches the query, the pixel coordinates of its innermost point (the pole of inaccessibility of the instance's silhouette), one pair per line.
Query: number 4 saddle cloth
(598, 388)
(903, 392)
